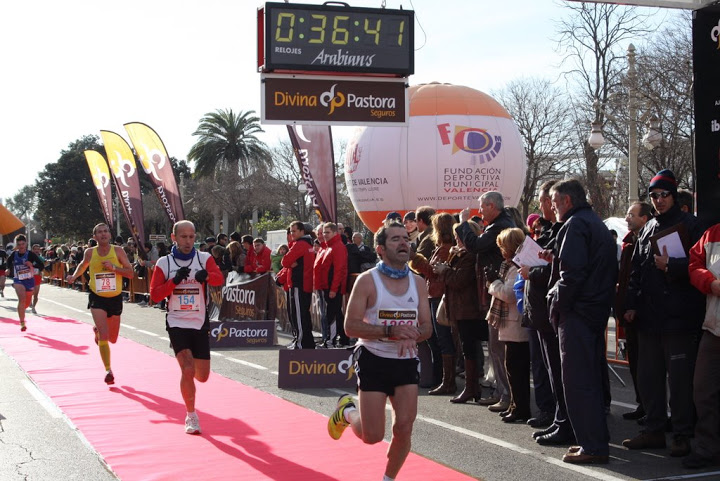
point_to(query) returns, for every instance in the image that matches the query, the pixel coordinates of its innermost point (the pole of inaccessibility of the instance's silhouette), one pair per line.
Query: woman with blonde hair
(441, 341)
(504, 315)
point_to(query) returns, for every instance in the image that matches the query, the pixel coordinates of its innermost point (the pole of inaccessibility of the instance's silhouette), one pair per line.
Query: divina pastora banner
(156, 164)
(127, 184)
(251, 299)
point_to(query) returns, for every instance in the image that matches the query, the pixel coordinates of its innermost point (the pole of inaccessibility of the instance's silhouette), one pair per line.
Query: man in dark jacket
(424, 243)
(638, 214)
(535, 315)
(299, 260)
(667, 312)
(585, 264)
(496, 219)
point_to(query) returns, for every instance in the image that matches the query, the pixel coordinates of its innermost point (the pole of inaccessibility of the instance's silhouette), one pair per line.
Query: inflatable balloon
(459, 144)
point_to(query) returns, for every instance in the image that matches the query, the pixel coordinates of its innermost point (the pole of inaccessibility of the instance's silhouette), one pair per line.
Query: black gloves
(181, 275)
(491, 275)
(201, 276)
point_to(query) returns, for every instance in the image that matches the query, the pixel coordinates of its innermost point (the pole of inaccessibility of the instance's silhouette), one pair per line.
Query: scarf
(391, 272)
(499, 309)
(183, 257)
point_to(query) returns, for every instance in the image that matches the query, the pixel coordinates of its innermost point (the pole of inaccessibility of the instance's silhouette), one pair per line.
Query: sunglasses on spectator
(664, 194)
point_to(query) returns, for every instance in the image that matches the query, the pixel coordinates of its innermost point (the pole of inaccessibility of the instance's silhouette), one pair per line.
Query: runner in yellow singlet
(108, 265)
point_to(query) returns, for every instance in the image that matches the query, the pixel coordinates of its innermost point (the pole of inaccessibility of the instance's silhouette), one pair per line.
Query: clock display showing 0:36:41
(340, 29)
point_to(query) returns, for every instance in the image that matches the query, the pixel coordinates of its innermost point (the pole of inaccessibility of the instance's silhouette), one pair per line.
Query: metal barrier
(617, 355)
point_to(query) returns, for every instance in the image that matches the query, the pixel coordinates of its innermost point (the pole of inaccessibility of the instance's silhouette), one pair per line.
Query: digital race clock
(335, 39)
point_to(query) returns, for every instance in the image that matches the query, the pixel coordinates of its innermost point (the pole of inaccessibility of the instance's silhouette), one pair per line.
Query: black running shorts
(197, 340)
(112, 305)
(383, 374)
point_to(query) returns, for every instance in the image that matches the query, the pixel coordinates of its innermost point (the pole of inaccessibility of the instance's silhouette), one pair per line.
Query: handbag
(441, 314)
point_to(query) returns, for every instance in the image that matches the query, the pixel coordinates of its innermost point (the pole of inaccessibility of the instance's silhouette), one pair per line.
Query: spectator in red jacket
(299, 260)
(260, 262)
(332, 281)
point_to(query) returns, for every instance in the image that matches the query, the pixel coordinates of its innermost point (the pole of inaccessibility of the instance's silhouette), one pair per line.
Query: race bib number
(105, 282)
(398, 317)
(186, 299)
(23, 273)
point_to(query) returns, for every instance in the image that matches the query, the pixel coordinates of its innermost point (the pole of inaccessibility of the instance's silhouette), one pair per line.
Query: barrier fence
(273, 298)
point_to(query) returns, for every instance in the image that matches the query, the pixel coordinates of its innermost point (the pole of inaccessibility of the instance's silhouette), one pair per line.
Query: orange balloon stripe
(373, 219)
(446, 99)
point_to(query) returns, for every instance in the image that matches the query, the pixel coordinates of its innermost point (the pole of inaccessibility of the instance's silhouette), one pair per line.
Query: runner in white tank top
(389, 313)
(391, 310)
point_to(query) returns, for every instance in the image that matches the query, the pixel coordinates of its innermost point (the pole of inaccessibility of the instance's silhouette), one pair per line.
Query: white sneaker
(192, 424)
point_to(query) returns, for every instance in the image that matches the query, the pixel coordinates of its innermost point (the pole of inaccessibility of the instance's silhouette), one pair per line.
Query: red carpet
(137, 425)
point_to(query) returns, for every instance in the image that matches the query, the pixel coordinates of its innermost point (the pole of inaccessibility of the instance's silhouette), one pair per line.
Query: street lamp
(652, 138)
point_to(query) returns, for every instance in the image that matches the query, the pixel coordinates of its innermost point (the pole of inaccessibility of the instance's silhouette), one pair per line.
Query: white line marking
(248, 364)
(67, 307)
(625, 405)
(148, 333)
(275, 373)
(165, 338)
(129, 327)
(42, 399)
(513, 447)
(687, 476)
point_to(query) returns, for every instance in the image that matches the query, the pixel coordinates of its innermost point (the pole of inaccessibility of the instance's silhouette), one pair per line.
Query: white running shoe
(192, 424)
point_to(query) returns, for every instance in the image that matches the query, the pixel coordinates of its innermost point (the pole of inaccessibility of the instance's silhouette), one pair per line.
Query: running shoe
(109, 378)
(23, 327)
(337, 422)
(192, 424)
(32, 309)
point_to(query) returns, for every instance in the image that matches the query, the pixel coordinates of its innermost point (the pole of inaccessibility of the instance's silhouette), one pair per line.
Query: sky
(73, 68)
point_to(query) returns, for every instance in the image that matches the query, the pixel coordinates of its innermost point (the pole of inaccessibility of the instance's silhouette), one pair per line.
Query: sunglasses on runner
(664, 194)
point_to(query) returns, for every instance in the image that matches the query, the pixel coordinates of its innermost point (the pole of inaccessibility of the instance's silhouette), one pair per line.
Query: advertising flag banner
(127, 183)
(101, 179)
(314, 152)
(156, 164)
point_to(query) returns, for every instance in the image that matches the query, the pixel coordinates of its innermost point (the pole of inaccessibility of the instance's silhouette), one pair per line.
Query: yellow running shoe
(337, 422)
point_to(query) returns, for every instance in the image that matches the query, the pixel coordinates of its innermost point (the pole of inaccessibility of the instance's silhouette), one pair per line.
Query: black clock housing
(331, 38)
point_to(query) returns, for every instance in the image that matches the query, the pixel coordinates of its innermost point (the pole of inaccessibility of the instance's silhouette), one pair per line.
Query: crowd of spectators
(497, 321)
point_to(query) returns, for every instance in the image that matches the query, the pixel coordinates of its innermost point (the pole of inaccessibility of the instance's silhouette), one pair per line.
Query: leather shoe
(488, 401)
(499, 406)
(634, 415)
(698, 461)
(646, 440)
(515, 418)
(556, 438)
(505, 413)
(542, 420)
(580, 457)
(679, 447)
(549, 430)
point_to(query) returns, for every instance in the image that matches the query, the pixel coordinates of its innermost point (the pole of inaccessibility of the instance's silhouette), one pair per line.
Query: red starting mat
(137, 425)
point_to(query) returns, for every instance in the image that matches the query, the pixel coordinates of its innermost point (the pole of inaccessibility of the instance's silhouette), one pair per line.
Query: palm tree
(228, 143)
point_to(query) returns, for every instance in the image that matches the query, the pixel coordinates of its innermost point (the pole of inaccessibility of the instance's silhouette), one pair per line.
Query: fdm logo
(471, 140)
